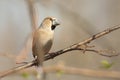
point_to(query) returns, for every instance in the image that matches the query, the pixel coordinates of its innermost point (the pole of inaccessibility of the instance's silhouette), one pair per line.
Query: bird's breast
(45, 40)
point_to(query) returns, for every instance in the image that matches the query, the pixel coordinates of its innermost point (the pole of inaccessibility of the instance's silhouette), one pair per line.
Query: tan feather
(42, 40)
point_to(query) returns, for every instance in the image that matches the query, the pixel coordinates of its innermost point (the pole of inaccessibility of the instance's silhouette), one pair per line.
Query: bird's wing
(37, 49)
(42, 42)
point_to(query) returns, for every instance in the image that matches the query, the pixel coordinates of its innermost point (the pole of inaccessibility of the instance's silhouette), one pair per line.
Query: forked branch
(77, 46)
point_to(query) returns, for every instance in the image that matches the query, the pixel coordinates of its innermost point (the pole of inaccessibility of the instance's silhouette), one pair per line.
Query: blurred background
(79, 19)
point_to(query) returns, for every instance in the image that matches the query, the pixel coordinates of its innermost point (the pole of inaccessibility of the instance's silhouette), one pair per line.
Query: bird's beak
(56, 23)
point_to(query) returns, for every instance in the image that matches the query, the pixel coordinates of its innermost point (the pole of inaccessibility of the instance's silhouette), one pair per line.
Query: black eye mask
(53, 27)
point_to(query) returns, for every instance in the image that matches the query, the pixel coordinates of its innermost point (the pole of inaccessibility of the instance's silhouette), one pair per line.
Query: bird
(43, 39)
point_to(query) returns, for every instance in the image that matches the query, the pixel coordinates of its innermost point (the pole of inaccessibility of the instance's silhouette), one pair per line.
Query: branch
(27, 47)
(32, 13)
(70, 48)
(85, 72)
(62, 69)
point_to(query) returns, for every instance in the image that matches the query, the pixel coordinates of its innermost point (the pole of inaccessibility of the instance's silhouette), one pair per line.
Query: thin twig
(70, 48)
(63, 69)
(32, 13)
(86, 41)
(33, 18)
(16, 69)
(85, 72)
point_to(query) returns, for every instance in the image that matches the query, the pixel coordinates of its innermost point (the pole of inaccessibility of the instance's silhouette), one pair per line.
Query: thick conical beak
(56, 22)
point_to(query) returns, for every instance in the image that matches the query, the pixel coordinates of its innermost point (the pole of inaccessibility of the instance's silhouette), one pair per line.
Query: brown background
(79, 19)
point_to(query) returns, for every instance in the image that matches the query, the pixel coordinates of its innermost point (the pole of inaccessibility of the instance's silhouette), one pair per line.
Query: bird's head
(50, 23)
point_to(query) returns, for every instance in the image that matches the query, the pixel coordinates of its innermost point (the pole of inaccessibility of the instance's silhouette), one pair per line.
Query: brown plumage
(43, 39)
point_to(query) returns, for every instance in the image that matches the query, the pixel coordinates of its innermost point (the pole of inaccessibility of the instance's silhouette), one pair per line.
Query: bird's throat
(53, 27)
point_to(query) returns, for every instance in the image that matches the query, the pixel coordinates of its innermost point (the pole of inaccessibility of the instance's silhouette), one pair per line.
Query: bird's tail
(39, 65)
(40, 73)
(39, 61)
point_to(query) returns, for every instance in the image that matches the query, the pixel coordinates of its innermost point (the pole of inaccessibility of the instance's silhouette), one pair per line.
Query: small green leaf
(25, 75)
(60, 73)
(106, 64)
